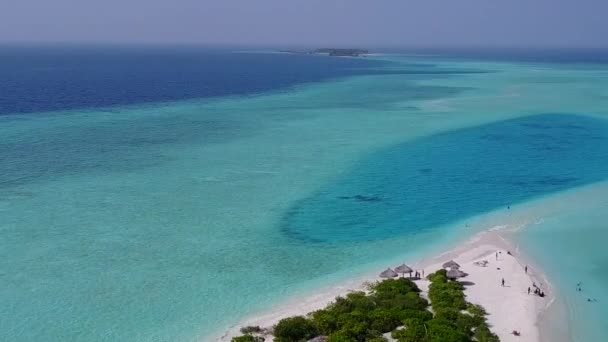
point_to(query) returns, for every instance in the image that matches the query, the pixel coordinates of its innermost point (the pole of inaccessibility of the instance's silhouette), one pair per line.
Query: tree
(294, 329)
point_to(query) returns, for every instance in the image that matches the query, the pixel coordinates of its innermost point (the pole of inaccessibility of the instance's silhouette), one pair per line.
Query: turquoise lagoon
(172, 221)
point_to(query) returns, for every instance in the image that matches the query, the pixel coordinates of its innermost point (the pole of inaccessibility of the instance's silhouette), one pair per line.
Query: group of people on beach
(537, 290)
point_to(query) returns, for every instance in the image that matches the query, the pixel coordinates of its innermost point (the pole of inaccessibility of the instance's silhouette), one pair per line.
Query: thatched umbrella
(455, 273)
(451, 264)
(388, 273)
(403, 269)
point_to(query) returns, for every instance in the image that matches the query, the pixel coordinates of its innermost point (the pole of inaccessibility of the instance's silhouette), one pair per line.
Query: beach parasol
(455, 273)
(451, 264)
(388, 273)
(403, 268)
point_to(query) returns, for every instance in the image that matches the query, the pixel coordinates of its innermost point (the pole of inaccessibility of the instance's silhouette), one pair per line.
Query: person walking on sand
(503, 282)
(497, 255)
(528, 290)
(526, 269)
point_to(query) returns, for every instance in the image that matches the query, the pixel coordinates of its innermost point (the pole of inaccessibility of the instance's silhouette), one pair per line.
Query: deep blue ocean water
(443, 178)
(36, 79)
(39, 79)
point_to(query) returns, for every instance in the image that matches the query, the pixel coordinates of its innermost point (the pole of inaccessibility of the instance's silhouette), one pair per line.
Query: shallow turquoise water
(172, 221)
(570, 245)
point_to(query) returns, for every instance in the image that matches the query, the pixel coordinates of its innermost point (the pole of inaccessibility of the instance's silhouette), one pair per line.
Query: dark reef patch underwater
(439, 179)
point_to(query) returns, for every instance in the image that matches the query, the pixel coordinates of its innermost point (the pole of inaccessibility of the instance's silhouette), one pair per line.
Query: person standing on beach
(528, 290)
(497, 255)
(503, 282)
(526, 269)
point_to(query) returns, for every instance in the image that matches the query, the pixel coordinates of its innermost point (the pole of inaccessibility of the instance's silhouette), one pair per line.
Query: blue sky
(310, 22)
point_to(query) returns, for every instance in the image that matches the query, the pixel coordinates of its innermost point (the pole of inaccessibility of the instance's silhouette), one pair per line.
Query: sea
(164, 193)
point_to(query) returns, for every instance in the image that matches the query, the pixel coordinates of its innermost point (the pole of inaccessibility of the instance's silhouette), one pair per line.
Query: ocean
(163, 194)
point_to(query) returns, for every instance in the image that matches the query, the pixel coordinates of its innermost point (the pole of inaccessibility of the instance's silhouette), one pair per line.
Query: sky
(360, 23)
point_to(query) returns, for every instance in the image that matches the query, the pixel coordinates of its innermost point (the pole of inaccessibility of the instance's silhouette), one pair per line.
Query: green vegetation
(248, 338)
(444, 293)
(251, 329)
(295, 329)
(393, 305)
(455, 319)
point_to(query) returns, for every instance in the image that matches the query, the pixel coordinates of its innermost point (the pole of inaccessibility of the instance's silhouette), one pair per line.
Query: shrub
(414, 301)
(248, 338)
(377, 339)
(447, 295)
(478, 313)
(394, 286)
(476, 310)
(466, 323)
(251, 329)
(422, 315)
(445, 331)
(483, 334)
(357, 330)
(340, 336)
(325, 321)
(410, 300)
(294, 329)
(384, 320)
(360, 301)
(473, 320)
(438, 277)
(356, 316)
(415, 331)
(339, 306)
(353, 331)
(448, 314)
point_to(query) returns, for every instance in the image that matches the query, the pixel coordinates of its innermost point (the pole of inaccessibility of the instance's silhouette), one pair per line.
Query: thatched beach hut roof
(451, 264)
(403, 268)
(455, 273)
(388, 273)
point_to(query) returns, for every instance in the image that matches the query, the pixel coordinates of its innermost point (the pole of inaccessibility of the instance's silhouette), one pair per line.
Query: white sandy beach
(509, 308)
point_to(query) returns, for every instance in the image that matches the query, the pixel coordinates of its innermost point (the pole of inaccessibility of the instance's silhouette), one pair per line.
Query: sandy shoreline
(509, 307)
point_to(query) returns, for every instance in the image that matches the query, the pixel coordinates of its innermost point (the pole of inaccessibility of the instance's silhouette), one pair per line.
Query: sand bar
(509, 307)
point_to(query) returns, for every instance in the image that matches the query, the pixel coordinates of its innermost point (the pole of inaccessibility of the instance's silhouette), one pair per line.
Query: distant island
(341, 52)
(332, 52)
